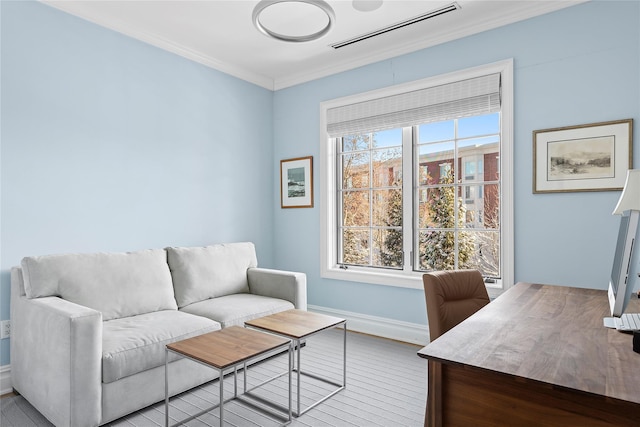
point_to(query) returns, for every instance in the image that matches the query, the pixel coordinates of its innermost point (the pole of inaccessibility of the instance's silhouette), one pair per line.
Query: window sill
(401, 280)
(355, 274)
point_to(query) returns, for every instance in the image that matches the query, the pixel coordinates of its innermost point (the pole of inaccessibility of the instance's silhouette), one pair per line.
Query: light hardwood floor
(386, 387)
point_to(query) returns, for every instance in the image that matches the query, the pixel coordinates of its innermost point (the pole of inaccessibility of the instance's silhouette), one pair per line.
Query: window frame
(329, 269)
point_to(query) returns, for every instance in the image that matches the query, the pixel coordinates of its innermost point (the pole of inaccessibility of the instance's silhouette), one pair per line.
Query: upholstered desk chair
(451, 297)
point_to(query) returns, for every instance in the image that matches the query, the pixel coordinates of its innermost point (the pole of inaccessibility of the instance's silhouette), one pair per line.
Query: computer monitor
(624, 273)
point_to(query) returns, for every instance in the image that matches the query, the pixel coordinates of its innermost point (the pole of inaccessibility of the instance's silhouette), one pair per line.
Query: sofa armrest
(287, 285)
(56, 357)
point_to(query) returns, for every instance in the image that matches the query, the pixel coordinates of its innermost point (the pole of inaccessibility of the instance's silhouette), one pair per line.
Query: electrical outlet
(5, 329)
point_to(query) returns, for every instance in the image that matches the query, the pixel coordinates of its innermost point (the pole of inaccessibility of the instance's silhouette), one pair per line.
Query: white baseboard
(413, 333)
(5, 379)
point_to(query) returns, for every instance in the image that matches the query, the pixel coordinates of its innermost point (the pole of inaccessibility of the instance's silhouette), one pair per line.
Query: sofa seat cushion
(236, 309)
(200, 273)
(135, 344)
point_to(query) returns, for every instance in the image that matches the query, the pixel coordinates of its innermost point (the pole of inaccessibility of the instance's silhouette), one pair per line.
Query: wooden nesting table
(224, 350)
(297, 325)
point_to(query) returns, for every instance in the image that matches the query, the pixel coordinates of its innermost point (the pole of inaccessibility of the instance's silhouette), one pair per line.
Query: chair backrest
(451, 297)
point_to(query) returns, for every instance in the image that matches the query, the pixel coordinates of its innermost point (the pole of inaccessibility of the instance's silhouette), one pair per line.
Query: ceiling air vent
(432, 14)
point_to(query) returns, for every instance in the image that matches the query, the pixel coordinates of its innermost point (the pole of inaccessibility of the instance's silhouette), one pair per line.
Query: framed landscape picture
(592, 157)
(296, 182)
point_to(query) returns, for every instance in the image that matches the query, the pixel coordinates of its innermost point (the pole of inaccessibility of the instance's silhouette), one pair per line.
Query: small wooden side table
(223, 350)
(298, 325)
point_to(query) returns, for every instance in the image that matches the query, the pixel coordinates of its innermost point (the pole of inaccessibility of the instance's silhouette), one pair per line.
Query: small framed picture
(592, 157)
(296, 182)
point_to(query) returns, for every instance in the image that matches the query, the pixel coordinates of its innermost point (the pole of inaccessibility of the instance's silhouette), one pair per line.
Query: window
(370, 214)
(418, 178)
(454, 230)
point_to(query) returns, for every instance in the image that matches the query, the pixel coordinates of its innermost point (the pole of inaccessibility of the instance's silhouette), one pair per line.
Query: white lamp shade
(630, 197)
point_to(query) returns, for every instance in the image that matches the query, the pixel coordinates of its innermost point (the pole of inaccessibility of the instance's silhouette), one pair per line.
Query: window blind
(479, 95)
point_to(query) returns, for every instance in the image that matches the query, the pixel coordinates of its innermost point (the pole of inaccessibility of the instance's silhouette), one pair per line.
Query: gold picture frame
(296, 182)
(590, 157)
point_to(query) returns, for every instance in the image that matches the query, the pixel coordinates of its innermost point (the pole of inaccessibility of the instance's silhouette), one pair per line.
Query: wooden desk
(538, 355)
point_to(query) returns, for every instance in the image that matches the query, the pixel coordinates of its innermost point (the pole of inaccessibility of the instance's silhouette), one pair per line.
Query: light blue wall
(109, 144)
(578, 65)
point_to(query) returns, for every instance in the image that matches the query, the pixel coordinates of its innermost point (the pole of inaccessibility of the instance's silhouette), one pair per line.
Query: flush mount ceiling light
(293, 20)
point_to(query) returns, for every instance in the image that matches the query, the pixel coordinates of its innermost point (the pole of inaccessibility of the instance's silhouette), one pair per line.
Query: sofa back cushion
(200, 273)
(117, 284)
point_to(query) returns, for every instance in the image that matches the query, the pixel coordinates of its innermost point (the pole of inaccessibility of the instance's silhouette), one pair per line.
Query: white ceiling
(221, 35)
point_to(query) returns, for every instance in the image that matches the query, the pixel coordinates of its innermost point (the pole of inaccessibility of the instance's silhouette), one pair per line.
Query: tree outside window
(457, 200)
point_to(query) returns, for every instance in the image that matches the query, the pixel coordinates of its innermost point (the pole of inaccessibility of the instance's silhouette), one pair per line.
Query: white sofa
(89, 330)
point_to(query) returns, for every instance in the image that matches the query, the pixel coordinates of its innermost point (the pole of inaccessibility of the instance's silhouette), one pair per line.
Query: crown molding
(167, 45)
(534, 10)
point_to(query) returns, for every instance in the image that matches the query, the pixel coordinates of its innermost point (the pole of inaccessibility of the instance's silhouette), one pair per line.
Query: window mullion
(339, 204)
(409, 183)
(456, 188)
(371, 201)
